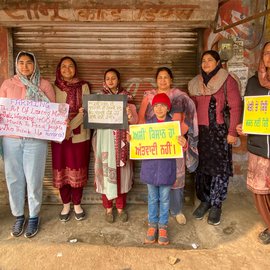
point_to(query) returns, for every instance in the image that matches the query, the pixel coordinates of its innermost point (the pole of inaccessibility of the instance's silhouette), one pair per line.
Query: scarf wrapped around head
(32, 84)
(73, 88)
(264, 78)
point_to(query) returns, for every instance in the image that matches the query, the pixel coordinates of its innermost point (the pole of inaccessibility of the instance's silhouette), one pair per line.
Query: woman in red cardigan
(215, 139)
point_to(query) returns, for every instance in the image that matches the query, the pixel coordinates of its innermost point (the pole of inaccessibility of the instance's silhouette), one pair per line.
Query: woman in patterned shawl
(113, 169)
(183, 110)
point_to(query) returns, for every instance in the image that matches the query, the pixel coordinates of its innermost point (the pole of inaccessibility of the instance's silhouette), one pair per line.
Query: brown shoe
(109, 217)
(123, 216)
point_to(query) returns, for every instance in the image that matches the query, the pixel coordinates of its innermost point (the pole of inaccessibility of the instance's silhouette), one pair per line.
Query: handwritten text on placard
(257, 115)
(157, 140)
(105, 112)
(28, 118)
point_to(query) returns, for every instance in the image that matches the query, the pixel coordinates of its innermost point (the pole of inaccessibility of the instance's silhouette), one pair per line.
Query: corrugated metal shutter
(136, 50)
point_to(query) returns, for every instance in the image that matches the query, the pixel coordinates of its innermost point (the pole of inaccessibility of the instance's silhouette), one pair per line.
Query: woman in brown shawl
(70, 158)
(215, 139)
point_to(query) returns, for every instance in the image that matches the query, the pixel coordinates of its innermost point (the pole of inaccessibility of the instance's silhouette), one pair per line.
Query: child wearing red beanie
(159, 175)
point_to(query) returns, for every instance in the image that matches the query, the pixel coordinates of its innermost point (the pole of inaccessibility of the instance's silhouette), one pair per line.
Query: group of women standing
(200, 113)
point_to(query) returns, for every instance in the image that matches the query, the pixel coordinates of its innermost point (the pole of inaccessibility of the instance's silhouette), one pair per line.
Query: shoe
(201, 210)
(32, 227)
(80, 216)
(64, 217)
(181, 219)
(123, 216)
(151, 235)
(264, 237)
(163, 235)
(109, 217)
(18, 227)
(214, 216)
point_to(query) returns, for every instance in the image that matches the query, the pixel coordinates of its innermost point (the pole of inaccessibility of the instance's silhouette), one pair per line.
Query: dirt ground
(95, 244)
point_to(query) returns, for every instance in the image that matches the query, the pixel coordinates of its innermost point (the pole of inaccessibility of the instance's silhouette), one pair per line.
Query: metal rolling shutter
(136, 50)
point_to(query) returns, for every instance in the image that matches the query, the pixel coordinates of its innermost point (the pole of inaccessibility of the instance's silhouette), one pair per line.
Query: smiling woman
(25, 158)
(112, 154)
(25, 65)
(215, 139)
(183, 110)
(70, 159)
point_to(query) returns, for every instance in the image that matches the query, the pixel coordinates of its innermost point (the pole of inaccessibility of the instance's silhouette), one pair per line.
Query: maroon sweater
(234, 101)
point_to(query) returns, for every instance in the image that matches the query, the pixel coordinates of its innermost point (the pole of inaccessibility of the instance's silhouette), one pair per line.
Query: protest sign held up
(33, 119)
(155, 141)
(256, 118)
(105, 111)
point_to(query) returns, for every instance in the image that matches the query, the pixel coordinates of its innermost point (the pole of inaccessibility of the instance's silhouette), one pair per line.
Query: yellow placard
(256, 115)
(155, 141)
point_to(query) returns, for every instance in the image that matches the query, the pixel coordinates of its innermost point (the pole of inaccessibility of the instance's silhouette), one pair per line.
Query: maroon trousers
(70, 194)
(120, 201)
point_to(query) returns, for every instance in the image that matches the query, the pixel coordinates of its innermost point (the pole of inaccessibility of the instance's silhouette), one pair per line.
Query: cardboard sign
(32, 119)
(155, 141)
(105, 111)
(256, 115)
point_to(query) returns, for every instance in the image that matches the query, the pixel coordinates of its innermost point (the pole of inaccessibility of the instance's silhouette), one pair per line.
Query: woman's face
(209, 63)
(111, 80)
(67, 70)
(266, 56)
(164, 81)
(25, 65)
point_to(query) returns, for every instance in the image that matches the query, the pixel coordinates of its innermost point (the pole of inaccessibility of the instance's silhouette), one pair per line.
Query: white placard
(28, 118)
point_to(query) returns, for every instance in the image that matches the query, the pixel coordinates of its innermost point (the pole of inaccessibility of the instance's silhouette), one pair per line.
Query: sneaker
(201, 210)
(18, 227)
(214, 216)
(123, 216)
(163, 235)
(181, 219)
(264, 237)
(64, 217)
(80, 216)
(151, 235)
(32, 227)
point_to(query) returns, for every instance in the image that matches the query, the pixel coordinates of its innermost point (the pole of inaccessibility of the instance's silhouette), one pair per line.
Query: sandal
(264, 237)
(109, 217)
(123, 216)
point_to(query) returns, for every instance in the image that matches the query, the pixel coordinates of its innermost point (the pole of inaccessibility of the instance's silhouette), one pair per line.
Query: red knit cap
(162, 98)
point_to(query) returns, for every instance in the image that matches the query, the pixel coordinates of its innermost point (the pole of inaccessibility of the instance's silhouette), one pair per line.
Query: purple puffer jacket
(158, 171)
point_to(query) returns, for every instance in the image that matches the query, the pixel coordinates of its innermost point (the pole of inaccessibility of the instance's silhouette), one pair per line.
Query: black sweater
(257, 144)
